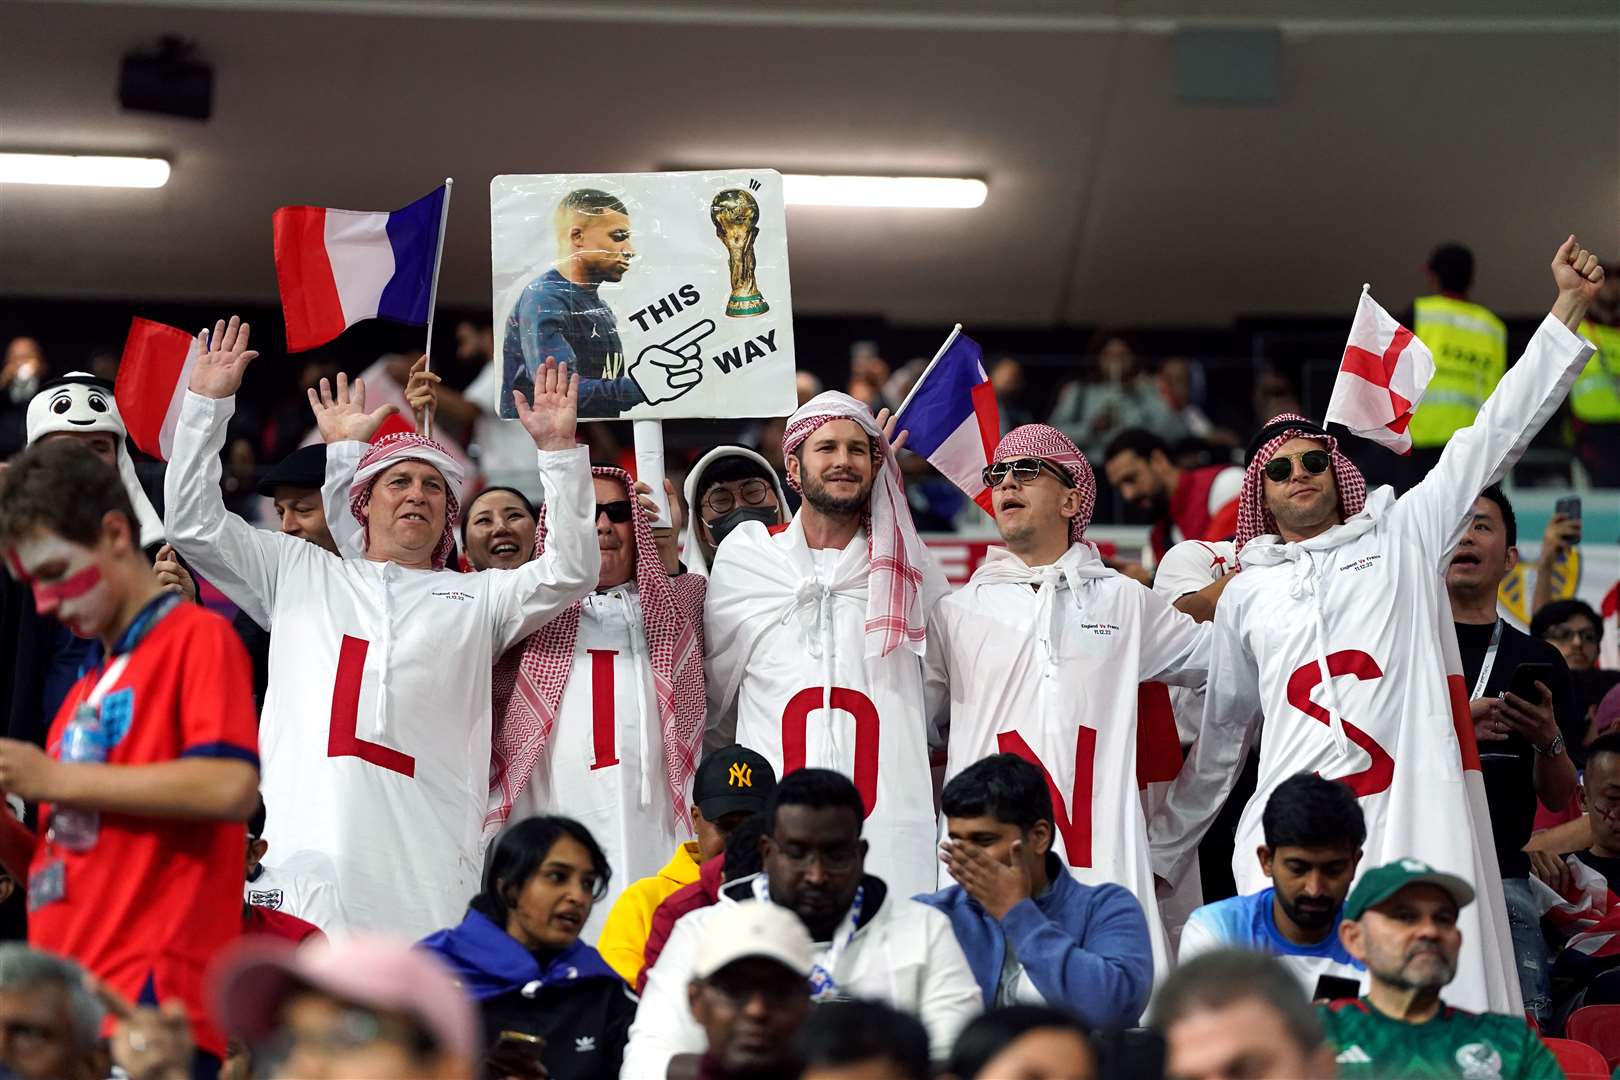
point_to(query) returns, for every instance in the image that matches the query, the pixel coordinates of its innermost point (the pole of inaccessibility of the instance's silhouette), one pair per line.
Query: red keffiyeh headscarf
(1254, 517)
(1050, 444)
(529, 680)
(389, 451)
(894, 607)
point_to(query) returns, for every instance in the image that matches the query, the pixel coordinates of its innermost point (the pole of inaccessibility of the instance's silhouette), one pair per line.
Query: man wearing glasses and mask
(1045, 647)
(728, 486)
(1338, 630)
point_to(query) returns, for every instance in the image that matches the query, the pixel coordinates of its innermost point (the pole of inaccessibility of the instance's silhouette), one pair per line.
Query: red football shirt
(150, 905)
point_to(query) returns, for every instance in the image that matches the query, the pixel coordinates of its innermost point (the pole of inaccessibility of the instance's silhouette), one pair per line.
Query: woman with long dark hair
(544, 995)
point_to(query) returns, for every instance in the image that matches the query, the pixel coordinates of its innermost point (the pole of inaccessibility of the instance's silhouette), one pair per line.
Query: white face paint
(67, 581)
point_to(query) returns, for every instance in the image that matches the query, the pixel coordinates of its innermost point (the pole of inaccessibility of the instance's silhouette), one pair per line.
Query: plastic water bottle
(73, 828)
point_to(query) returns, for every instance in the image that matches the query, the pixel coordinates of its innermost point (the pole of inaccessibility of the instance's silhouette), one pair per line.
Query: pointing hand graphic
(665, 372)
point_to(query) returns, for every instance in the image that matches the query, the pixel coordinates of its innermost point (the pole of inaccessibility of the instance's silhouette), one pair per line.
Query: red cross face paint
(67, 583)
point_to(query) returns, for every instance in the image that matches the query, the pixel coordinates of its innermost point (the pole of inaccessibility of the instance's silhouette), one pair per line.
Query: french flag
(152, 380)
(337, 267)
(951, 417)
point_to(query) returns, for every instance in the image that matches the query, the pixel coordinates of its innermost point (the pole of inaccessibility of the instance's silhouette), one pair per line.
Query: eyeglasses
(833, 860)
(721, 500)
(1024, 470)
(617, 511)
(1281, 467)
(1570, 633)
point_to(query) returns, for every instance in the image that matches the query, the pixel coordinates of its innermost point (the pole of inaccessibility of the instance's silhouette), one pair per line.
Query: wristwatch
(1554, 748)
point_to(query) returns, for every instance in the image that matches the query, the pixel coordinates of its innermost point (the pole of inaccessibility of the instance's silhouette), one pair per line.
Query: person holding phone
(1558, 542)
(1524, 708)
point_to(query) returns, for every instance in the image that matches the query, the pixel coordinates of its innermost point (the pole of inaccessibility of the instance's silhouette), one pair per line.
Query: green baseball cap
(1383, 882)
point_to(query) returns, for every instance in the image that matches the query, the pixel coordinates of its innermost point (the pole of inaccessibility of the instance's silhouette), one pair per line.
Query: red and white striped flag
(1382, 377)
(152, 380)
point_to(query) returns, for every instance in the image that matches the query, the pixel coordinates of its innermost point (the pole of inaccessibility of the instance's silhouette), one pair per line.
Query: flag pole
(955, 330)
(433, 290)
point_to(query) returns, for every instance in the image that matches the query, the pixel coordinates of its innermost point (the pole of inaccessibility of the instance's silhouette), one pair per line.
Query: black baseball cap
(305, 467)
(732, 779)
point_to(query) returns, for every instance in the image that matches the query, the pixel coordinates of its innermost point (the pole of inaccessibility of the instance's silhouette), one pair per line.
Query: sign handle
(649, 440)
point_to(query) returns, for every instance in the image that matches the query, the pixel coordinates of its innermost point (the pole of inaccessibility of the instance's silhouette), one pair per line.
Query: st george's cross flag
(951, 418)
(337, 267)
(152, 379)
(1382, 377)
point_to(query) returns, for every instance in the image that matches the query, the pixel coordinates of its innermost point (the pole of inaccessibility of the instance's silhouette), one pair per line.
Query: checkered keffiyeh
(389, 451)
(1255, 518)
(1050, 444)
(894, 606)
(529, 680)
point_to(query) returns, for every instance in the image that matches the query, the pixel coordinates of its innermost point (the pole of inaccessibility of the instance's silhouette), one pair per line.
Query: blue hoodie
(1085, 947)
(488, 961)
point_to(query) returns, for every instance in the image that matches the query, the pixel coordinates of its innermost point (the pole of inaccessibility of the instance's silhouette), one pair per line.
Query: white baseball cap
(753, 928)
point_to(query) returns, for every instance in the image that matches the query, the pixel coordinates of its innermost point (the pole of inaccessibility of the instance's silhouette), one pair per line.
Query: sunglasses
(1316, 462)
(1024, 470)
(617, 511)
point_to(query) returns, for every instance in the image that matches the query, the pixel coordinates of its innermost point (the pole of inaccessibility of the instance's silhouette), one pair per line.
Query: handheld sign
(667, 292)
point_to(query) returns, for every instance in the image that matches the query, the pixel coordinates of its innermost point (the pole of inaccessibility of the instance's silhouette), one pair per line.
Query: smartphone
(1525, 677)
(1569, 506)
(1335, 988)
(516, 1054)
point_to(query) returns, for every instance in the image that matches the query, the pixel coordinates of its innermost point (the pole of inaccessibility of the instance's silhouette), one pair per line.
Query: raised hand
(222, 357)
(421, 391)
(552, 419)
(886, 424)
(1579, 276)
(342, 416)
(174, 577)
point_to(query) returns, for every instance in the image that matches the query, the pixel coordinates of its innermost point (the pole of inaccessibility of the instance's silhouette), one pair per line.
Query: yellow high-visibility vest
(1470, 355)
(1595, 397)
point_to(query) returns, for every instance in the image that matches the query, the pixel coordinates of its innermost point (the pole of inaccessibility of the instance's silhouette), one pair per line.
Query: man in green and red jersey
(1401, 921)
(147, 892)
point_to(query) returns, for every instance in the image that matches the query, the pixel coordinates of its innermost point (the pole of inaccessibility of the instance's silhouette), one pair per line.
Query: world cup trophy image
(735, 214)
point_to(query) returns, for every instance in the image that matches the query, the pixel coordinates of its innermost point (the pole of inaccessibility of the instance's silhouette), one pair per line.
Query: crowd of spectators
(492, 776)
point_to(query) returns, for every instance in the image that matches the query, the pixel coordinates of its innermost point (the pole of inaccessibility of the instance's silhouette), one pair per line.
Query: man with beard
(816, 634)
(1314, 832)
(1181, 504)
(1401, 922)
(1337, 630)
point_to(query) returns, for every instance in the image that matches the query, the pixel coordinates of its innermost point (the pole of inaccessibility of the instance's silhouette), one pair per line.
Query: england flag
(1382, 377)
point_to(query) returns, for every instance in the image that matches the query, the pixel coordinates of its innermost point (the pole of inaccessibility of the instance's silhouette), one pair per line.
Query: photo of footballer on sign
(667, 292)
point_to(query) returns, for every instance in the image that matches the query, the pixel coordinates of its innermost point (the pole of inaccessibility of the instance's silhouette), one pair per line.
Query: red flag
(152, 379)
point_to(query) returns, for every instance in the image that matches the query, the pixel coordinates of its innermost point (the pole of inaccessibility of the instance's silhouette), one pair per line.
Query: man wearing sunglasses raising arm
(1337, 630)
(1045, 647)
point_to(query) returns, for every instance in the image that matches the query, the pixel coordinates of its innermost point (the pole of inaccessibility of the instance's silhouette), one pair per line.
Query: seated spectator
(1401, 922)
(1179, 504)
(863, 1040)
(365, 1009)
(739, 860)
(135, 872)
(1581, 905)
(497, 530)
(868, 943)
(1023, 1041)
(730, 785)
(1574, 630)
(728, 486)
(517, 953)
(1032, 933)
(51, 1019)
(1092, 415)
(749, 993)
(1314, 830)
(1230, 1014)
(261, 906)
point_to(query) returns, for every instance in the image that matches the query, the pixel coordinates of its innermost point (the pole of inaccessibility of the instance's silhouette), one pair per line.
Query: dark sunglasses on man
(1281, 467)
(617, 511)
(1024, 470)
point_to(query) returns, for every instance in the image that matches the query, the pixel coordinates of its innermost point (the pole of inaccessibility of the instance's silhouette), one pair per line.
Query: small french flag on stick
(951, 417)
(337, 267)
(1382, 377)
(152, 380)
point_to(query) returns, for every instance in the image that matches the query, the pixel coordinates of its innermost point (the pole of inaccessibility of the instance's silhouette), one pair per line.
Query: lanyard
(822, 983)
(133, 635)
(1489, 662)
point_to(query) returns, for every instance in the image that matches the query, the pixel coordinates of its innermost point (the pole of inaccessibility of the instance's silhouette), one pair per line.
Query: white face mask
(67, 583)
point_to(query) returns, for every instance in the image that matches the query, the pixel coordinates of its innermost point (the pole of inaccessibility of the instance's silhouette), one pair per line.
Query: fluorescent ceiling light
(83, 170)
(916, 192)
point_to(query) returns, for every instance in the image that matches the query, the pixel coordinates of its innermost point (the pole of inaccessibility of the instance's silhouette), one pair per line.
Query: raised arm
(241, 560)
(1435, 511)
(346, 428)
(527, 598)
